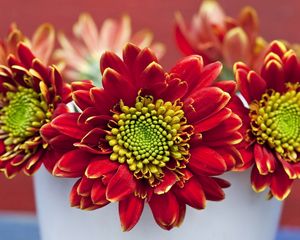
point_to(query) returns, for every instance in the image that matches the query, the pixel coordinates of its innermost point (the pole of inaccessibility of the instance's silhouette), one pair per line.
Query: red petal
(130, 210)
(67, 124)
(25, 55)
(227, 86)
(85, 186)
(206, 161)
(264, 159)
(209, 74)
(211, 188)
(259, 182)
(121, 185)
(74, 161)
(82, 99)
(257, 85)
(74, 197)
(192, 194)
(189, 69)
(207, 102)
(82, 85)
(99, 167)
(167, 182)
(213, 121)
(114, 83)
(165, 210)
(98, 193)
(111, 60)
(281, 184)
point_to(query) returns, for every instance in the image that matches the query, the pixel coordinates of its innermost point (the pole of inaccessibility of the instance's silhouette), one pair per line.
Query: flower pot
(242, 215)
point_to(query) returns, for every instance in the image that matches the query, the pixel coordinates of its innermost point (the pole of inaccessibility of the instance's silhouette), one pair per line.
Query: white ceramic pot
(242, 215)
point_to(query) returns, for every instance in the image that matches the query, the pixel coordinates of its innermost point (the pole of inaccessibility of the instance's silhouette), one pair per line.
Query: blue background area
(15, 227)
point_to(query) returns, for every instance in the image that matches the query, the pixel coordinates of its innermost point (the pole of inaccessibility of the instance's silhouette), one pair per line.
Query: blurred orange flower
(216, 36)
(41, 43)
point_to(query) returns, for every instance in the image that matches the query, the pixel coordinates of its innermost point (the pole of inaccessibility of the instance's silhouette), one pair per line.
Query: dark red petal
(243, 84)
(189, 69)
(222, 182)
(211, 188)
(227, 86)
(25, 55)
(175, 89)
(120, 185)
(82, 99)
(130, 210)
(50, 158)
(57, 81)
(82, 85)
(167, 182)
(85, 186)
(257, 85)
(165, 209)
(74, 161)
(74, 197)
(205, 160)
(144, 58)
(67, 124)
(111, 60)
(264, 159)
(152, 75)
(273, 73)
(60, 109)
(98, 193)
(208, 101)
(181, 215)
(130, 53)
(232, 157)
(213, 121)
(114, 83)
(99, 167)
(192, 194)
(259, 182)
(281, 184)
(48, 132)
(290, 168)
(209, 74)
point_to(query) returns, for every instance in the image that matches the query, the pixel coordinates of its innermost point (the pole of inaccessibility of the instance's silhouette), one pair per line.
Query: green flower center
(275, 120)
(23, 115)
(150, 136)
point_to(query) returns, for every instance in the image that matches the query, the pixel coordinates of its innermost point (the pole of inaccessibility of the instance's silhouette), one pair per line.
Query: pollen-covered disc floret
(275, 120)
(148, 136)
(22, 115)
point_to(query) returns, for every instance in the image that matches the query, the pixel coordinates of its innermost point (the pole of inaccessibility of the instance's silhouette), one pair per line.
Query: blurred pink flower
(79, 57)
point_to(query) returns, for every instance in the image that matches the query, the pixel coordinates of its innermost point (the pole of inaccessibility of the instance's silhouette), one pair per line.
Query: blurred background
(278, 19)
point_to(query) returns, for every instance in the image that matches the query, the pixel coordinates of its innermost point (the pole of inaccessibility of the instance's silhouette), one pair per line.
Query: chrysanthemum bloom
(148, 136)
(80, 56)
(216, 36)
(272, 120)
(31, 94)
(41, 43)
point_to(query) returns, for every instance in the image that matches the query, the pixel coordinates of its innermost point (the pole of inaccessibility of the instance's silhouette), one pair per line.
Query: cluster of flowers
(141, 134)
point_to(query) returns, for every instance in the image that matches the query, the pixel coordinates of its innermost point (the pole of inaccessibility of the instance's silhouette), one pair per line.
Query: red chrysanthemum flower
(31, 94)
(272, 120)
(148, 135)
